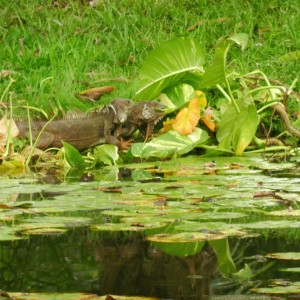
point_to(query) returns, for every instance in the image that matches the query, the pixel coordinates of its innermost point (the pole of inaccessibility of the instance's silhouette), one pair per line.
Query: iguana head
(143, 116)
(121, 108)
(145, 112)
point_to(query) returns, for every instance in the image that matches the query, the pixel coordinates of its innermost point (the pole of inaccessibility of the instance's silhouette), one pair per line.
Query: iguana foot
(125, 145)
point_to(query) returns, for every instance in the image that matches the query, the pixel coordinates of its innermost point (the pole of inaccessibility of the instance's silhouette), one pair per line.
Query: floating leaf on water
(209, 227)
(288, 197)
(140, 174)
(285, 213)
(44, 231)
(146, 221)
(117, 297)
(290, 270)
(67, 296)
(213, 215)
(272, 225)
(8, 233)
(285, 255)
(190, 237)
(292, 288)
(51, 224)
(123, 227)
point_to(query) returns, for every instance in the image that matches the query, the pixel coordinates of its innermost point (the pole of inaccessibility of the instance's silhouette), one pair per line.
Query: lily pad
(44, 231)
(283, 224)
(70, 296)
(290, 270)
(213, 215)
(209, 227)
(50, 224)
(8, 234)
(111, 227)
(292, 288)
(285, 256)
(190, 237)
(285, 213)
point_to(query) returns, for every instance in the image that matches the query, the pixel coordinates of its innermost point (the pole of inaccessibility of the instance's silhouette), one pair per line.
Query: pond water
(190, 228)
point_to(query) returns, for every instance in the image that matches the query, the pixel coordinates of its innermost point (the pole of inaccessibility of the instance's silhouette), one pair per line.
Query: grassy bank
(57, 48)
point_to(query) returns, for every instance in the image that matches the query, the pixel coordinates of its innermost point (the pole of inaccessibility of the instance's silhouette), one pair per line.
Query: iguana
(110, 125)
(82, 132)
(143, 116)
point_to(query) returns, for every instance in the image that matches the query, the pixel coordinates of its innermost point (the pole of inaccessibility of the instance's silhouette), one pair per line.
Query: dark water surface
(250, 207)
(125, 264)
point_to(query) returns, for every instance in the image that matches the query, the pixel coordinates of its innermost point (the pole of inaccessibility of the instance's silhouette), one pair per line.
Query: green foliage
(176, 96)
(238, 123)
(105, 154)
(169, 65)
(225, 262)
(236, 130)
(169, 144)
(72, 157)
(216, 72)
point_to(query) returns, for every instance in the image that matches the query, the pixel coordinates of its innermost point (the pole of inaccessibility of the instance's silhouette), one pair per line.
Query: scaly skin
(143, 116)
(110, 125)
(89, 130)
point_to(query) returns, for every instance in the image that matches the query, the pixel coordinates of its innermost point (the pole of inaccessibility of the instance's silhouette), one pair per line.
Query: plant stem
(7, 88)
(270, 149)
(224, 93)
(37, 140)
(231, 95)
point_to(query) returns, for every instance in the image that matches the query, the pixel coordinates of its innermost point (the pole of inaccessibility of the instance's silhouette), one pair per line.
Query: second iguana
(110, 125)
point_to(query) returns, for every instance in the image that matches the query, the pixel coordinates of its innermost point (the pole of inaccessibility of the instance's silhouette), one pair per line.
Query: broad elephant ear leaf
(177, 61)
(215, 73)
(237, 130)
(169, 144)
(73, 158)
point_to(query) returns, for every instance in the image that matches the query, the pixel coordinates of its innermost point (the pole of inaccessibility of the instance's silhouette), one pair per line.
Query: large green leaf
(225, 262)
(169, 144)
(176, 96)
(237, 130)
(215, 73)
(177, 61)
(106, 154)
(72, 156)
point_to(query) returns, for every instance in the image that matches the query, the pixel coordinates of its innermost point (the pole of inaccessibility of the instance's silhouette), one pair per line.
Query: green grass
(57, 50)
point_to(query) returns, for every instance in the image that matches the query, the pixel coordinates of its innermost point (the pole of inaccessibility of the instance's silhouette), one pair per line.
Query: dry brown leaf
(4, 127)
(95, 94)
(5, 73)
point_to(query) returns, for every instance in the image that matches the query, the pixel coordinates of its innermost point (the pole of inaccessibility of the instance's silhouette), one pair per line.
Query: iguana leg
(147, 130)
(125, 145)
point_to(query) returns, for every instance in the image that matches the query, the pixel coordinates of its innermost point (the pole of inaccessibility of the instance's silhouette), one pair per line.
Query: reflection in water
(107, 264)
(135, 267)
(124, 264)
